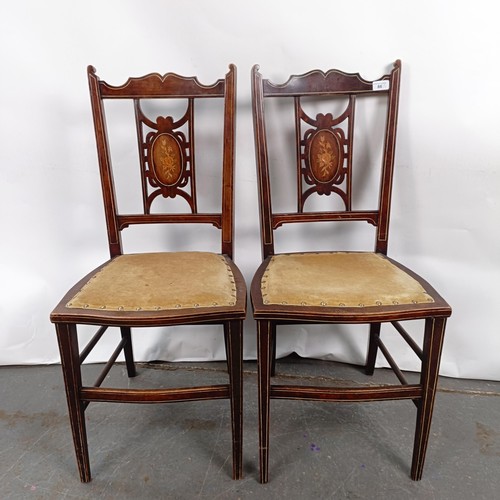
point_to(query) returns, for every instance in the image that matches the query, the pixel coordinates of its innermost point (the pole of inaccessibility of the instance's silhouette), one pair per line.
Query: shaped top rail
(155, 85)
(317, 82)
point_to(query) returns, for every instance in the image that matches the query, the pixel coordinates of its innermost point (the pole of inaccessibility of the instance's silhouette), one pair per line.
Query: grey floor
(318, 450)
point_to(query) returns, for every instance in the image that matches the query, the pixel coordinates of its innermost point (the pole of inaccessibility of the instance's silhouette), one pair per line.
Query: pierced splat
(167, 160)
(324, 154)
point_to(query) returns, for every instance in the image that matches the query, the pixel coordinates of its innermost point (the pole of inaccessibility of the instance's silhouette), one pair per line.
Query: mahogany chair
(332, 287)
(163, 288)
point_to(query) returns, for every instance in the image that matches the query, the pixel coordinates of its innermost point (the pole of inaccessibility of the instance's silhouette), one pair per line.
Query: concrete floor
(182, 451)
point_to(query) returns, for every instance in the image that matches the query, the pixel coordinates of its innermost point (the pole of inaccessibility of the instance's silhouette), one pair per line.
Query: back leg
(127, 351)
(372, 348)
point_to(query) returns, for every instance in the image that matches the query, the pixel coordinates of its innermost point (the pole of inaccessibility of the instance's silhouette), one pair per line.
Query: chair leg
(433, 343)
(264, 347)
(233, 335)
(128, 351)
(273, 351)
(372, 348)
(70, 361)
(227, 347)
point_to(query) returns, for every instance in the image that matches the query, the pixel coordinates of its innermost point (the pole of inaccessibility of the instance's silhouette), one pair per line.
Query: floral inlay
(167, 159)
(324, 156)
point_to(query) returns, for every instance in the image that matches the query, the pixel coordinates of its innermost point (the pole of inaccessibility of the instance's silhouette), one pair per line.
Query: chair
(159, 289)
(333, 287)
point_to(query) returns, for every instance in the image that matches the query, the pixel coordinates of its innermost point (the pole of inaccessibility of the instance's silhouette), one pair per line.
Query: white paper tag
(380, 85)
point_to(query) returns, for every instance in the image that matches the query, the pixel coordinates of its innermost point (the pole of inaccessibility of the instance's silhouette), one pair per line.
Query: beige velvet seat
(159, 282)
(339, 279)
(166, 288)
(335, 286)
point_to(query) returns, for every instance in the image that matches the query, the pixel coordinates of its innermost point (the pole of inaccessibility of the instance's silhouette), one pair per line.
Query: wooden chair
(336, 286)
(162, 288)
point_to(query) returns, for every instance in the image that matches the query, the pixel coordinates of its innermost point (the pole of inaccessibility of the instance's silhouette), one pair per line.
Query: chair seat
(158, 282)
(339, 279)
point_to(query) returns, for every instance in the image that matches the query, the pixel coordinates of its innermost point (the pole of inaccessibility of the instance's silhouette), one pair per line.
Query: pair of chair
(186, 287)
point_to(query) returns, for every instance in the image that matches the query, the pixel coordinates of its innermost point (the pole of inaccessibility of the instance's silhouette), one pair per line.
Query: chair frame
(269, 316)
(167, 86)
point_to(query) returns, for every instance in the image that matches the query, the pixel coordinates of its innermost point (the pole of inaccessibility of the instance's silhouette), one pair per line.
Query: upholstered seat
(158, 282)
(339, 279)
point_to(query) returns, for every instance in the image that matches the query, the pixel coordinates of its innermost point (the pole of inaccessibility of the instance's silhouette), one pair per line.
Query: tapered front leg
(70, 361)
(372, 348)
(264, 346)
(273, 349)
(433, 344)
(233, 335)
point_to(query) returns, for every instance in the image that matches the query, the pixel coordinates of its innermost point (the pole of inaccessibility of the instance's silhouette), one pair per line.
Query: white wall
(446, 204)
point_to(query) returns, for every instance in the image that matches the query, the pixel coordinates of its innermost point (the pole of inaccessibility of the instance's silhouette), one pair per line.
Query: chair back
(164, 108)
(325, 159)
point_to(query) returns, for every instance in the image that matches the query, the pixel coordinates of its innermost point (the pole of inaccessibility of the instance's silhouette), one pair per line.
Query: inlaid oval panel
(166, 154)
(325, 156)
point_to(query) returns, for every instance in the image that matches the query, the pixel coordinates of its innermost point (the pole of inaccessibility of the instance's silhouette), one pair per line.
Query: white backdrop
(446, 214)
